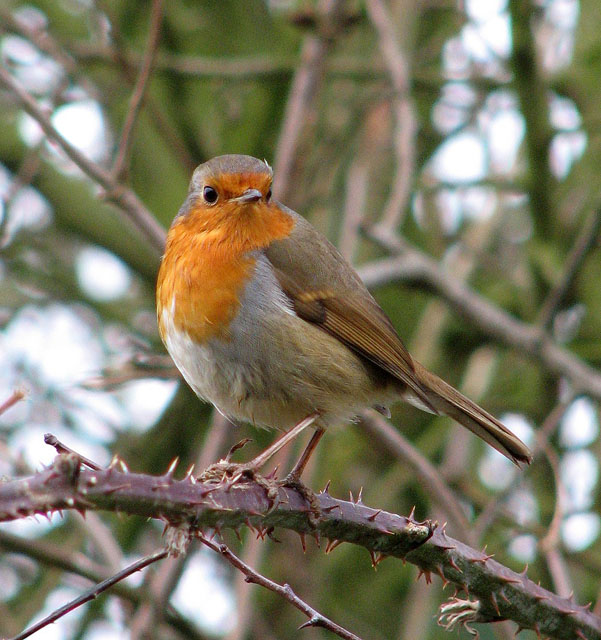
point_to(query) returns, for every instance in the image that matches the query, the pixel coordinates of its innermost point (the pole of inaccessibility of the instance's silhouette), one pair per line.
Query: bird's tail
(448, 401)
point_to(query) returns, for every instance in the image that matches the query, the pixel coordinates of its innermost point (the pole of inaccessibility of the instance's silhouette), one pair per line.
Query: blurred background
(449, 148)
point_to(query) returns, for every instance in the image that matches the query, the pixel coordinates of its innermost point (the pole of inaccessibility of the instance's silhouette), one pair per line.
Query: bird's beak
(250, 195)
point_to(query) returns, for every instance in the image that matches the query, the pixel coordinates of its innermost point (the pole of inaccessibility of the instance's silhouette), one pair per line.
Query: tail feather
(450, 402)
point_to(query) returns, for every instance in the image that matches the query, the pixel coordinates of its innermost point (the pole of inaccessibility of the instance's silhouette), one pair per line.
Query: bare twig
(584, 243)
(410, 264)
(533, 94)
(115, 192)
(303, 90)
(53, 441)
(396, 64)
(93, 593)
(492, 509)
(135, 103)
(316, 619)
(15, 397)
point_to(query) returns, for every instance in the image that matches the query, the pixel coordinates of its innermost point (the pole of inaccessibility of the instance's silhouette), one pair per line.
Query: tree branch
(316, 619)
(411, 265)
(498, 592)
(114, 191)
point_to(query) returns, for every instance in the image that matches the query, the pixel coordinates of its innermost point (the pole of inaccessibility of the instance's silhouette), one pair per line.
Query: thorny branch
(499, 592)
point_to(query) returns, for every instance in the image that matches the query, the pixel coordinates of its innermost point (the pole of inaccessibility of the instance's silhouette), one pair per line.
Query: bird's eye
(268, 196)
(210, 195)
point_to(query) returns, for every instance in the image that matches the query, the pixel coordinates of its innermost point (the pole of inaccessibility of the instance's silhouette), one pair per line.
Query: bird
(266, 320)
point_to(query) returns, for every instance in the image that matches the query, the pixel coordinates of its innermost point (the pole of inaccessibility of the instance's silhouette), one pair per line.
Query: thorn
(189, 473)
(330, 509)
(374, 515)
(376, 558)
(483, 560)
(360, 496)
(269, 533)
(412, 513)
(502, 594)
(454, 564)
(580, 634)
(172, 467)
(312, 622)
(303, 542)
(524, 573)
(326, 488)
(237, 532)
(427, 575)
(537, 630)
(440, 572)
(317, 537)
(332, 544)
(495, 604)
(272, 474)
(539, 597)
(351, 496)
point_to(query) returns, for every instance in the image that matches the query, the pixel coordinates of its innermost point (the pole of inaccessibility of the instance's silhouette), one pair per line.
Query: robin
(267, 321)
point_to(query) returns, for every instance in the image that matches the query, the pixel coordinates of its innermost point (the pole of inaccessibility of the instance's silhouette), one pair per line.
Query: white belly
(275, 369)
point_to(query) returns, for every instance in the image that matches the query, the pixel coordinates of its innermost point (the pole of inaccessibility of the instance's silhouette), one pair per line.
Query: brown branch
(532, 92)
(14, 398)
(137, 96)
(93, 593)
(411, 265)
(499, 592)
(304, 87)
(584, 243)
(316, 619)
(396, 64)
(115, 192)
(58, 557)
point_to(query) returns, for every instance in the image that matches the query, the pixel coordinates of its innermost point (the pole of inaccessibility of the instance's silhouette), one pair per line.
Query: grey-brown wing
(326, 291)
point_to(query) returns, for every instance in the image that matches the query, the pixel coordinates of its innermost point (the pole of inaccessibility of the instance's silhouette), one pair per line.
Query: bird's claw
(292, 481)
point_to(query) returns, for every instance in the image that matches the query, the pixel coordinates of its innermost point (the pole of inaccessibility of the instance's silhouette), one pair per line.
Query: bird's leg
(301, 463)
(283, 440)
(293, 479)
(229, 473)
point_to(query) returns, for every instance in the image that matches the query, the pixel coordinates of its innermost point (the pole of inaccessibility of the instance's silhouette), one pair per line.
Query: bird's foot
(225, 474)
(293, 481)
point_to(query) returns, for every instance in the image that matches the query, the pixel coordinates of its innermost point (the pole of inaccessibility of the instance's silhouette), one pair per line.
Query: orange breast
(200, 297)
(206, 267)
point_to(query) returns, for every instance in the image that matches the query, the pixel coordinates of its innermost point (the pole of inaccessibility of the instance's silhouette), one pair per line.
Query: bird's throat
(205, 269)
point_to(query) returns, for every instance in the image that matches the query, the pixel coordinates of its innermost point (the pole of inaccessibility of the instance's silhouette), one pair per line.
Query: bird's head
(229, 201)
